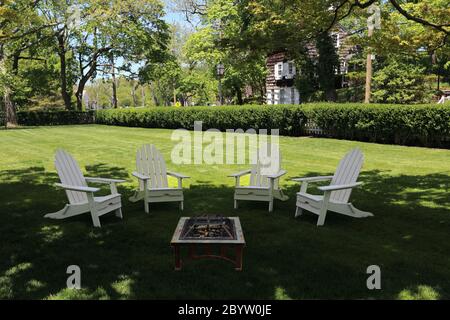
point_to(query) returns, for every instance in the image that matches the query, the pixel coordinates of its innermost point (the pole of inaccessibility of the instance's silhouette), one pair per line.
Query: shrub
(426, 125)
(400, 82)
(288, 119)
(43, 118)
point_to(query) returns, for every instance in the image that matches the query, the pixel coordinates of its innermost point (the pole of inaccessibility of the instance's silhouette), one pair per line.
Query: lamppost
(220, 71)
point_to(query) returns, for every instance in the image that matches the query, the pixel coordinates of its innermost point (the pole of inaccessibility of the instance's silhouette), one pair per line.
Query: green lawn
(406, 188)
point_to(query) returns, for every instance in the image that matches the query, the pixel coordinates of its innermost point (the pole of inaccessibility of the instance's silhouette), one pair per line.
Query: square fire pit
(206, 233)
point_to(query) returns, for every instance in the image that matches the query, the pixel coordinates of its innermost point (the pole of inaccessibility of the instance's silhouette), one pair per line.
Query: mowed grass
(285, 258)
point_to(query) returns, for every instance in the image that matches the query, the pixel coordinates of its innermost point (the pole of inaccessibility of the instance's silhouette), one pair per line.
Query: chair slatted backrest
(150, 162)
(70, 173)
(346, 173)
(266, 163)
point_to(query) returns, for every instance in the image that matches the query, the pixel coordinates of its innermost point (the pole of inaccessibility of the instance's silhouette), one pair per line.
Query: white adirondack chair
(153, 183)
(80, 195)
(264, 181)
(336, 196)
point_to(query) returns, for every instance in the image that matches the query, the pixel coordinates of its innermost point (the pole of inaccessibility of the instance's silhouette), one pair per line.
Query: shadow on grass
(284, 258)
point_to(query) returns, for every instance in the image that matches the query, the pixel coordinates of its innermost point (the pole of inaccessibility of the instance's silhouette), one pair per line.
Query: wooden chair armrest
(140, 176)
(103, 180)
(177, 175)
(240, 174)
(312, 179)
(278, 175)
(77, 188)
(340, 187)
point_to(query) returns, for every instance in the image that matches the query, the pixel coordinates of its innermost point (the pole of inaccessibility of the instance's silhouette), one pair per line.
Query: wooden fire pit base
(208, 253)
(203, 248)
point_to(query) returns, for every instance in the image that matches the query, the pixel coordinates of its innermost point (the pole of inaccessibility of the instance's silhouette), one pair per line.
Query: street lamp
(220, 71)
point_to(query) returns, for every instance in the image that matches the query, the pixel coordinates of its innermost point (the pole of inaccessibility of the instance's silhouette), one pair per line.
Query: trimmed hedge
(424, 125)
(46, 118)
(288, 119)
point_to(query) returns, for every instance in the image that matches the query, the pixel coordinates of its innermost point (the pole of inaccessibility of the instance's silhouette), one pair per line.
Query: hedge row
(288, 119)
(43, 118)
(424, 125)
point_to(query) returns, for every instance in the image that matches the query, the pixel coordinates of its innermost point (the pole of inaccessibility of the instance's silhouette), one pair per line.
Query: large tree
(18, 20)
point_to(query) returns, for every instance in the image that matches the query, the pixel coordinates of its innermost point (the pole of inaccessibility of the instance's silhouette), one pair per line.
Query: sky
(171, 16)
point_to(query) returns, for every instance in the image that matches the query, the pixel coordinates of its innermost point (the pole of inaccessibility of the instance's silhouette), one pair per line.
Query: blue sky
(171, 16)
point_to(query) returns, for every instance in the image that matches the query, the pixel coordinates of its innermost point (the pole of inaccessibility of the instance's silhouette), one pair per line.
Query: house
(280, 82)
(280, 86)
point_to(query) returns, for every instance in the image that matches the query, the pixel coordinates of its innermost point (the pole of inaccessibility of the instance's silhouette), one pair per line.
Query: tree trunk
(369, 72)
(133, 93)
(15, 64)
(174, 95)
(79, 93)
(239, 95)
(114, 84)
(63, 72)
(10, 109)
(143, 95)
(331, 95)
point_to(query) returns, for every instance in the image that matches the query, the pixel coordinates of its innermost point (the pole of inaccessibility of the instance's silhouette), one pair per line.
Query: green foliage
(306, 80)
(327, 64)
(400, 82)
(214, 42)
(288, 119)
(427, 125)
(45, 118)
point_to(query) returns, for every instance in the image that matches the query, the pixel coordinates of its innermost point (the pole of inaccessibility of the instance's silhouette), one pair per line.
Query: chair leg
(235, 204)
(119, 213)
(324, 209)
(95, 219)
(321, 220)
(298, 212)
(182, 205)
(146, 207)
(271, 205)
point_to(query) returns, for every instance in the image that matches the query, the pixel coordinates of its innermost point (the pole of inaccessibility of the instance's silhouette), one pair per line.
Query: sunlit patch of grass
(17, 269)
(80, 294)
(6, 288)
(123, 286)
(51, 233)
(280, 294)
(421, 292)
(34, 285)
(7, 280)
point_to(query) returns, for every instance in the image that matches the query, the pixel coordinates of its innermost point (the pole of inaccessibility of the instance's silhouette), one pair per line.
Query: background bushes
(43, 118)
(421, 125)
(424, 125)
(288, 119)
